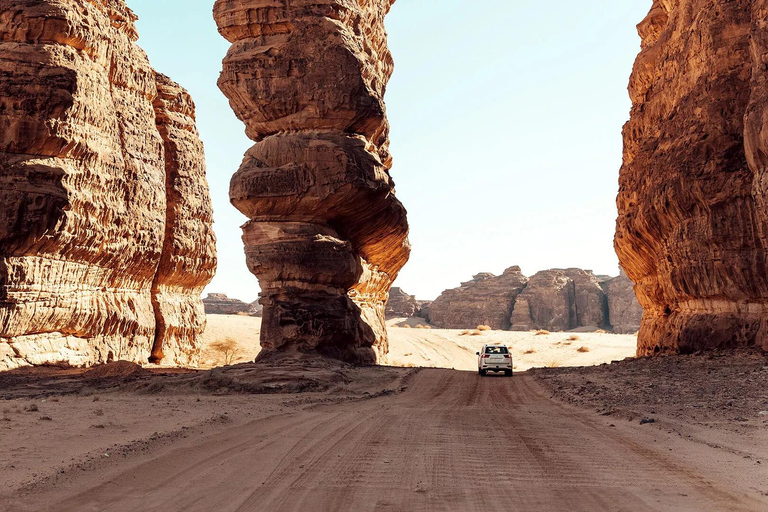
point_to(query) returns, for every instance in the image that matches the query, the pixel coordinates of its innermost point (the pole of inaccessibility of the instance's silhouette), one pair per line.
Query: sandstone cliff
(106, 241)
(625, 312)
(220, 304)
(486, 300)
(557, 300)
(692, 221)
(326, 235)
(401, 305)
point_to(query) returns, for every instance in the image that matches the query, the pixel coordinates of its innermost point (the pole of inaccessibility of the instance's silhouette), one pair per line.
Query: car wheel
(481, 372)
(508, 373)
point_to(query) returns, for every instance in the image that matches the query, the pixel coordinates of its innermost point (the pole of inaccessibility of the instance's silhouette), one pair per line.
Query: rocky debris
(625, 312)
(220, 304)
(486, 300)
(326, 235)
(555, 300)
(692, 220)
(401, 305)
(106, 241)
(116, 370)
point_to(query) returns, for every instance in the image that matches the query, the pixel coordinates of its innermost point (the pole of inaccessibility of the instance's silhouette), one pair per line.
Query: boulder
(106, 240)
(692, 220)
(486, 300)
(326, 235)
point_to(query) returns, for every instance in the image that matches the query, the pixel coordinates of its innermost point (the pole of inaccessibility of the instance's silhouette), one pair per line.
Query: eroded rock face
(106, 238)
(625, 312)
(326, 235)
(401, 305)
(692, 218)
(547, 302)
(486, 300)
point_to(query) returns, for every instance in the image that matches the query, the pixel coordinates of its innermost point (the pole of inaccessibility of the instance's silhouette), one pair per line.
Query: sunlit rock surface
(106, 238)
(326, 235)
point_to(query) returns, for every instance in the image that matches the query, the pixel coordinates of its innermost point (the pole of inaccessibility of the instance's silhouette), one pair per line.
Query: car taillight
(506, 356)
(486, 356)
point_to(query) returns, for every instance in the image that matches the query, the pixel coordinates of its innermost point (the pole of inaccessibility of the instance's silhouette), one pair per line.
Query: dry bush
(543, 332)
(601, 331)
(405, 326)
(419, 326)
(228, 348)
(583, 350)
(427, 326)
(529, 351)
(476, 333)
(465, 333)
(243, 313)
(553, 364)
(484, 328)
(573, 337)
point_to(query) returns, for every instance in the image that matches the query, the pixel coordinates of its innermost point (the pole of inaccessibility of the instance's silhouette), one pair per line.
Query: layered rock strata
(692, 220)
(220, 304)
(106, 241)
(326, 235)
(486, 300)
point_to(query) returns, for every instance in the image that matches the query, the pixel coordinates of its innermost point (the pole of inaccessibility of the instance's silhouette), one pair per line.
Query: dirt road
(451, 442)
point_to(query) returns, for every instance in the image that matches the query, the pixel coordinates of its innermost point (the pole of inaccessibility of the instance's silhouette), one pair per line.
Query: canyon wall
(326, 235)
(692, 220)
(106, 239)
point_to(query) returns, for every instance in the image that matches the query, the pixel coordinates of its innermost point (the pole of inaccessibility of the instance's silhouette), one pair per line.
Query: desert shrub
(427, 326)
(465, 333)
(484, 328)
(583, 350)
(419, 326)
(529, 351)
(476, 333)
(543, 332)
(242, 313)
(601, 331)
(553, 364)
(228, 348)
(573, 337)
(405, 326)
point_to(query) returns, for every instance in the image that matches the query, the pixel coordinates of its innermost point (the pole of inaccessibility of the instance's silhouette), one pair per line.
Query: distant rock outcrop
(625, 312)
(220, 304)
(401, 305)
(692, 230)
(556, 300)
(105, 230)
(326, 235)
(486, 300)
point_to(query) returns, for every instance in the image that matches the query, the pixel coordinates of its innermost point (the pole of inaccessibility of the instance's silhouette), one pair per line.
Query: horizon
(539, 116)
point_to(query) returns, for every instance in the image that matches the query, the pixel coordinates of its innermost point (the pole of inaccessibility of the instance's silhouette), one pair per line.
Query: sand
(443, 348)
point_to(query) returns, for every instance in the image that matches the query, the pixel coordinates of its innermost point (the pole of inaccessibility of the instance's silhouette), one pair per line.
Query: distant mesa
(220, 304)
(555, 300)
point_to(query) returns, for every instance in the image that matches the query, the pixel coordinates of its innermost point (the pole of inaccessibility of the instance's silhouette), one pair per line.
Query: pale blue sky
(506, 130)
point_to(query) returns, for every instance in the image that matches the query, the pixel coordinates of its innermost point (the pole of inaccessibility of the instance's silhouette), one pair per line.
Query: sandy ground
(444, 348)
(303, 434)
(451, 441)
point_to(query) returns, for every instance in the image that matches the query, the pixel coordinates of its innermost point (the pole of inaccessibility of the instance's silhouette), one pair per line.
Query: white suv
(494, 358)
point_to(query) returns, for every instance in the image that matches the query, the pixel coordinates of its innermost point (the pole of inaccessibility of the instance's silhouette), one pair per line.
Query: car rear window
(496, 350)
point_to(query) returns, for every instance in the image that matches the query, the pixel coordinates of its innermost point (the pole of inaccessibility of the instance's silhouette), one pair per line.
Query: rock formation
(486, 300)
(547, 302)
(692, 220)
(625, 312)
(106, 239)
(401, 305)
(326, 235)
(556, 300)
(220, 304)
